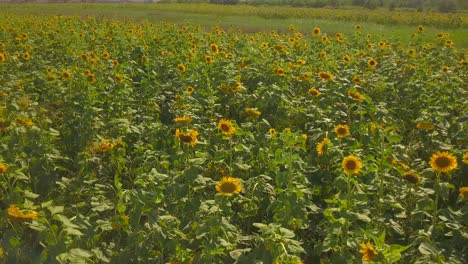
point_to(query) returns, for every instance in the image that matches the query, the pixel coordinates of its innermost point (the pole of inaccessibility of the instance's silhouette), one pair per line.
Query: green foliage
(112, 149)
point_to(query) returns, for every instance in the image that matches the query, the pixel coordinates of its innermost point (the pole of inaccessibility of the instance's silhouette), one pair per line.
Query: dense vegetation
(125, 141)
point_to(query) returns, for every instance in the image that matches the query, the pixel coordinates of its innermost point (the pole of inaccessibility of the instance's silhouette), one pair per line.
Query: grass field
(385, 24)
(130, 140)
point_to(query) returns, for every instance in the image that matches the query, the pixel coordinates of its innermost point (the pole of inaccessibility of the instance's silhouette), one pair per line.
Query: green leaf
(55, 209)
(394, 138)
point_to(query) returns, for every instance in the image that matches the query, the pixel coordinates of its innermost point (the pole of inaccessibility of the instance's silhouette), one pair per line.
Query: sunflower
(443, 162)
(3, 167)
(103, 146)
(323, 54)
(119, 78)
(214, 48)
(465, 157)
(115, 63)
(342, 131)
(412, 177)
(313, 91)
(425, 126)
(420, 28)
(181, 67)
(368, 251)
(183, 119)
(326, 76)
(355, 95)
(226, 127)
(272, 132)
(372, 62)
(24, 121)
(347, 58)
(190, 90)
(357, 27)
(26, 56)
(357, 80)
(229, 186)
(464, 193)
(188, 138)
(382, 44)
(3, 57)
(351, 165)
(321, 146)
(91, 77)
(66, 74)
(444, 69)
(209, 59)
(252, 112)
(105, 55)
(316, 31)
(15, 213)
(279, 71)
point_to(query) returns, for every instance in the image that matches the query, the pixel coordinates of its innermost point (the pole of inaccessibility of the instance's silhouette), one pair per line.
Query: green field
(395, 25)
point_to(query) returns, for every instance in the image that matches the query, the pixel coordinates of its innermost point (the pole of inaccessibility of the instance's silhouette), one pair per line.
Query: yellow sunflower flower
(342, 131)
(325, 76)
(3, 168)
(412, 177)
(465, 157)
(229, 186)
(252, 112)
(443, 162)
(425, 126)
(356, 96)
(190, 90)
(183, 119)
(66, 74)
(368, 251)
(321, 146)
(316, 31)
(181, 67)
(214, 48)
(351, 165)
(16, 214)
(188, 138)
(464, 193)
(372, 62)
(272, 132)
(226, 127)
(313, 91)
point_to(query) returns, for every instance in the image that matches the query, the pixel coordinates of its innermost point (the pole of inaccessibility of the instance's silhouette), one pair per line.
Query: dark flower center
(351, 165)
(442, 162)
(228, 187)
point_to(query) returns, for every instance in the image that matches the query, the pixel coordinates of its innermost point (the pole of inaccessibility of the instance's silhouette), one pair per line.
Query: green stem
(436, 200)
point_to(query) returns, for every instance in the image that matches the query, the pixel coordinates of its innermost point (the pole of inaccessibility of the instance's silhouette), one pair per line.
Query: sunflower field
(133, 142)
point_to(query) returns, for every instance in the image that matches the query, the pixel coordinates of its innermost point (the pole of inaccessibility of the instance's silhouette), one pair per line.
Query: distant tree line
(417, 5)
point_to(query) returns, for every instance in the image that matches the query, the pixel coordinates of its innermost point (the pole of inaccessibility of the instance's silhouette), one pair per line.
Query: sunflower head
(412, 177)
(189, 138)
(183, 119)
(226, 127)
(368, 251)
(313, 91)
(229, 186)
(372, 62)
(321, 146)
(356, 96)
(325, 76)
(118, 78)
(464, 193)
(465, 158)
(208, 59)
(66, 74)
(190, 90)
(26, 56)
(272, 132)
(214, 48)
(279, 71)
(252, 112)
(347, 58)
(316, 31)
(351, 165)
(181, 67)
(342, 131)
(357, 27)
(443, 162)
(3, 167)
(15, 213)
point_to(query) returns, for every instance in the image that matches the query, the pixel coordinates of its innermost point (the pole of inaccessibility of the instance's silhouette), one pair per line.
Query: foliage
(116, 136)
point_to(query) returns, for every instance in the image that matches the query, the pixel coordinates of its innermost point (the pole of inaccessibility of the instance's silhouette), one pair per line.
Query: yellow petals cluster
(21, 215)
